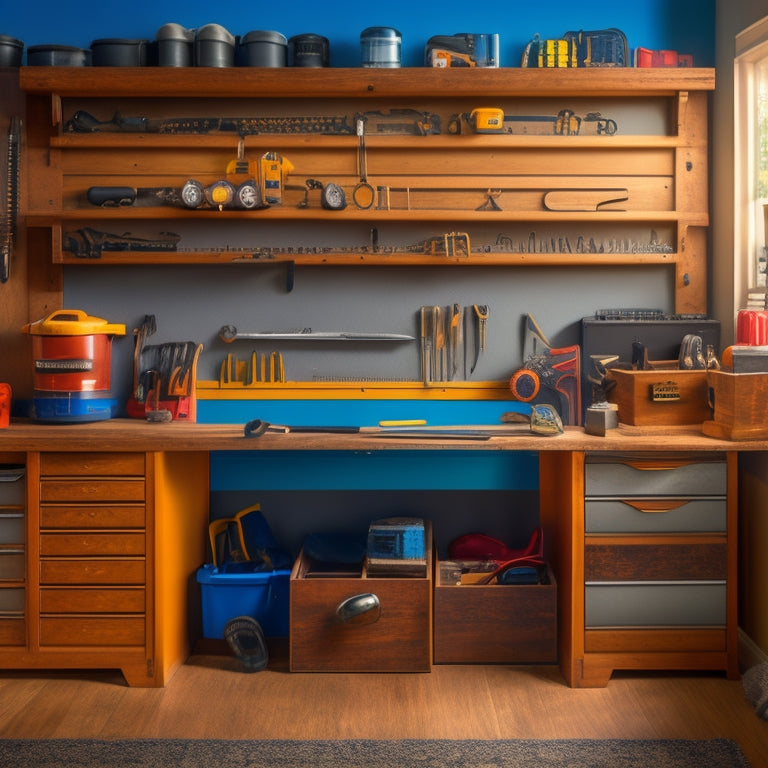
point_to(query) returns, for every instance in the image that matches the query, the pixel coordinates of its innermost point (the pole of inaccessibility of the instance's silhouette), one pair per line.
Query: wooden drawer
(93, 516)
(92, 571)
(87, 490)
(495, 623)
(123, 543)
(92, 464)
(13, 631)
(87, 600)
(670, 603)
(677, 640)
(644, 475)
(106, 631)
(656, 515)
(12, 485)
(12, 564)
(12, 600)
(643, 561)
(400, 641)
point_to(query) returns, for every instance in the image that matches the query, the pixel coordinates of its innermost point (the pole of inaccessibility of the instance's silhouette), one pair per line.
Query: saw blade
(11, 198)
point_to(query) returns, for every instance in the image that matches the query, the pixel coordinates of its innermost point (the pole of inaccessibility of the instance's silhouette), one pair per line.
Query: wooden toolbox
(400, 640)
(739, 401)
(663, 396)
(494, 623)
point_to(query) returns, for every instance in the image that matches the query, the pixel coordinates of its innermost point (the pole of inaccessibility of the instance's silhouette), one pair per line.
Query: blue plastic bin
(262, 595)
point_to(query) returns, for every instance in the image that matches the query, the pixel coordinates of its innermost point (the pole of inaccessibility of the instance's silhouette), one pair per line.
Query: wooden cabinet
(113, 541)
(560, 185)
(651, 566)
(13, 524)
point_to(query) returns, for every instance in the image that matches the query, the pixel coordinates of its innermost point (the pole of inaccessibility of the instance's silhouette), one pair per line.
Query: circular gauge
(248, 195)
(221, 194)
(192, 194)
(525, 385)
(333, 198)
(363, 195)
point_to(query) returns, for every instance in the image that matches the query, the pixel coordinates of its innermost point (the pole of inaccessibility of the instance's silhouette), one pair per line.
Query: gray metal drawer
(653, 478)
(642, 515)
(12, 485)
(652, 603)
(12, 601)
(11, 528)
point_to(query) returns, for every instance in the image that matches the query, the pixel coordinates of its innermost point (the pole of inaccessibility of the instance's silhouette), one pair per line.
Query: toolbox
(739, 406)
(660, 397)
(262, 595)
(493, 623)
(397, 638)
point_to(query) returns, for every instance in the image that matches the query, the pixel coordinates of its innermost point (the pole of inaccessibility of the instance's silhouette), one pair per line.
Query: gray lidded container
(58, 56)
(11, 51)
(214, 46)
(175, 46)
(119, 52)
(380, 47)
(262, 48)
(308, 50)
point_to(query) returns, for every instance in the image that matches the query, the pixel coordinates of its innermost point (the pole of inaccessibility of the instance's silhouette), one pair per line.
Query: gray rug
(179, 753)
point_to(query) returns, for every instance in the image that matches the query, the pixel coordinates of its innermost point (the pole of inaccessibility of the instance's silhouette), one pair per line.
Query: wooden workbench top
(137, 435)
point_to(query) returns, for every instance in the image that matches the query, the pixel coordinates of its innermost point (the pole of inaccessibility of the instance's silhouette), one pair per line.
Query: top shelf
(416, 82)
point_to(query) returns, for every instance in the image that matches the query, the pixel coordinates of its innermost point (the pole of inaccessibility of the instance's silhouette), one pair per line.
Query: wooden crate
(739, 405)
(400, 641)
(496, 623)
(641, 398)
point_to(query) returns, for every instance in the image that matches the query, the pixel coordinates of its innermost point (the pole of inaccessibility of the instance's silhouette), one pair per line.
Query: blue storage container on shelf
(260, 594)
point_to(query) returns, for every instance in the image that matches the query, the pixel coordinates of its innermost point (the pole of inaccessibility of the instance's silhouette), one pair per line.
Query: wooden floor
(209, 697)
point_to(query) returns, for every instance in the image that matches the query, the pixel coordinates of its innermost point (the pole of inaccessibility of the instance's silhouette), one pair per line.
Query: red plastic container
(752, 327)
(72, 352)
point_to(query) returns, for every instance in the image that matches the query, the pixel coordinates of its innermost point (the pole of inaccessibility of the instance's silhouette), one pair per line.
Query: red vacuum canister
(72, 357)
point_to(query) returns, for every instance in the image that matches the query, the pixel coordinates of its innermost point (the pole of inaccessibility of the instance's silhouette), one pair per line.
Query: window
(751, 159)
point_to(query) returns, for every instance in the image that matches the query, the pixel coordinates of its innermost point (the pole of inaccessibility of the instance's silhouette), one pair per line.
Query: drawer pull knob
(656, 505)
(359, 609)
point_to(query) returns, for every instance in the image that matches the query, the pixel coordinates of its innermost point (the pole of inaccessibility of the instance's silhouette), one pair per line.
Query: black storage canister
(262, 48)
(119, 52)
(58, 56)
(174, 45)
(11, 51)
(308, 50)
(214, 46)
(380, 47)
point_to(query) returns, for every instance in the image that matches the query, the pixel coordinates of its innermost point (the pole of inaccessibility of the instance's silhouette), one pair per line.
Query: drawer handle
(658, 465)
(359, 610)
(655, 505)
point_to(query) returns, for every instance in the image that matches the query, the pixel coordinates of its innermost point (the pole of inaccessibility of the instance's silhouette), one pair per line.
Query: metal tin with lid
(380, 47)
(214, 46)
(262, 48)
(58, 56)
(11, 51)
(175, 45)
(119, 52)
(308, 50)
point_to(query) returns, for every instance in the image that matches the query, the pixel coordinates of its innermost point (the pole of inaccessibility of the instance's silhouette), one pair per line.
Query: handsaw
(8, 229)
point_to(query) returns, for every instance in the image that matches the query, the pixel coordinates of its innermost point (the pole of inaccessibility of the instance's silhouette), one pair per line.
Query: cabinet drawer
(684, 603)
(12, 564)
(12, 600)
(12, 485)
(86, 600)
(91, 490)
(93, 516)
(624, 561)
(92, 464)
(13, 631)
(647, 476)
(655, 515)
(92, 571)
(92, 544)
(11, 528)
(106, 631)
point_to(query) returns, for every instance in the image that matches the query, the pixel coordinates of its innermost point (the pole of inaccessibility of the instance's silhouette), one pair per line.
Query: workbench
(116, 526)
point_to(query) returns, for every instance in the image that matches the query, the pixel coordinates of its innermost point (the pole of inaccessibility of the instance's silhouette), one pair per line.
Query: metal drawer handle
(655, 505)
(359, 609)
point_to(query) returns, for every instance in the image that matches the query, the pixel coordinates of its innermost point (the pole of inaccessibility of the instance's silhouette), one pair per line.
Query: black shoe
(245, 637)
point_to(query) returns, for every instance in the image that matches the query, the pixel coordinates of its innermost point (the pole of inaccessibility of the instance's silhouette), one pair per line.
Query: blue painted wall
(683, 25)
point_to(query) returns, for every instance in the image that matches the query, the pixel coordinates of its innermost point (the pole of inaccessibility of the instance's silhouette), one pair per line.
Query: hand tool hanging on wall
(229, 333)
(8, 230)
(442, 339)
